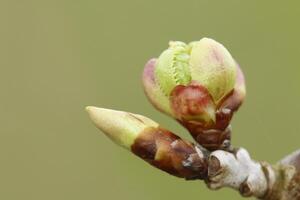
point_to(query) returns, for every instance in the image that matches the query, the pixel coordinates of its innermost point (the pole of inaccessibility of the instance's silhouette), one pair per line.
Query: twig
(178, 157)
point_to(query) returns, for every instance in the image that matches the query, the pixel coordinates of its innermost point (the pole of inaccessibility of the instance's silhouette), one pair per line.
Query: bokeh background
(58, 56)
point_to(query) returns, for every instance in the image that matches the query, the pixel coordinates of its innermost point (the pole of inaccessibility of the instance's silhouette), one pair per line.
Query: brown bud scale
(211, 139)
(170, 153)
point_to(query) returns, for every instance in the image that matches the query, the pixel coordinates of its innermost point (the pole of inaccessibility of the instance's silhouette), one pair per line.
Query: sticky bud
(157, 146)
(199, 84)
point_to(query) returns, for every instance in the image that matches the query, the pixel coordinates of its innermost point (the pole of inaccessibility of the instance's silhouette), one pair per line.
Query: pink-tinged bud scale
(153, 90)
(194, 103)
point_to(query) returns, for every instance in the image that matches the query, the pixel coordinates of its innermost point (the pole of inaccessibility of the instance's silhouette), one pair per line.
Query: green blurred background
(58, 56)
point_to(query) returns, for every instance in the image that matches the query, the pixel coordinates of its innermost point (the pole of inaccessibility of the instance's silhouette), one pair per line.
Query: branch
(221, 168)
(251, 178)
(238, 171)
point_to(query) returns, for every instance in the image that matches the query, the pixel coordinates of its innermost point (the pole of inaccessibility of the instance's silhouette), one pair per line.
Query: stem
(229, 167)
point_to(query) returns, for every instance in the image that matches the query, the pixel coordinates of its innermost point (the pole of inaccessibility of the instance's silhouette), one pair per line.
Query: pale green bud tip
(122, 127)
(206, 62)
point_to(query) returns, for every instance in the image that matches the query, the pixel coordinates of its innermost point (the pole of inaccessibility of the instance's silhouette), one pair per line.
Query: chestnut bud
(200, 85)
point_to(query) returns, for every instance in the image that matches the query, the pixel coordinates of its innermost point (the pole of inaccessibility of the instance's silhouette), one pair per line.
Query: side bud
(146, 139)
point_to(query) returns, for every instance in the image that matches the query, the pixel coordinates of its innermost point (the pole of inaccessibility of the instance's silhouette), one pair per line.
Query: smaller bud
(157, 146)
